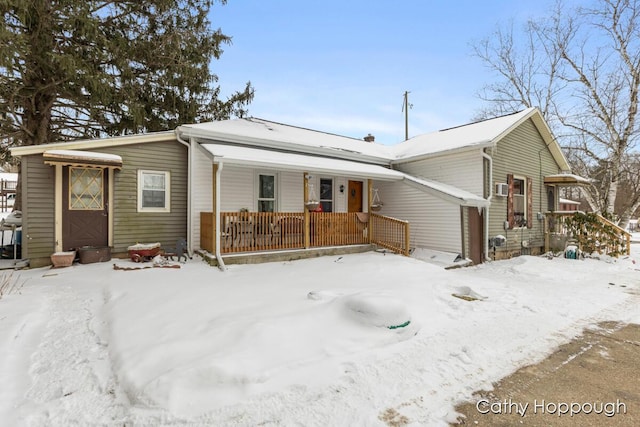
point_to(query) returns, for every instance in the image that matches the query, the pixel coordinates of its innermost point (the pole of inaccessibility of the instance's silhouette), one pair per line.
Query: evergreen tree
(74, 69)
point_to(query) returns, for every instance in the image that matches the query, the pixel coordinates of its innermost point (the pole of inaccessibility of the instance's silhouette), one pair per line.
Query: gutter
(189, 190)
(221, 265)
(191, 152)
(486, 219)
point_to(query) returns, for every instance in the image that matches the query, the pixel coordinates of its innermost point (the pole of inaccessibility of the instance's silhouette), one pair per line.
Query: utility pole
(405, 108)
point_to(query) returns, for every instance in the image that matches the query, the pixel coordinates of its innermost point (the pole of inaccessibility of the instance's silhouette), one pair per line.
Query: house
(245, 189)
(110, 192)
(512, 163)
(259, 181)
(568, 205)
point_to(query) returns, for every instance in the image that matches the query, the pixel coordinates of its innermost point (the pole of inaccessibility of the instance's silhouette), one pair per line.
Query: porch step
(285, 255)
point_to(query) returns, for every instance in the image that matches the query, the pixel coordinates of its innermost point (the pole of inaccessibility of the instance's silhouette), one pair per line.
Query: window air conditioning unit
(502, 189)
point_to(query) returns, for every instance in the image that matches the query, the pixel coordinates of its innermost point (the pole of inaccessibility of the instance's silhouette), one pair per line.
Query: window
(154, 191)
(86, 189)
(266, 193)
(519, 202)
(326, 194)
(519, 206)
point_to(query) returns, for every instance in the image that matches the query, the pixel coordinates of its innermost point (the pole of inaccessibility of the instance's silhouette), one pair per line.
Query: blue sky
(342, 66)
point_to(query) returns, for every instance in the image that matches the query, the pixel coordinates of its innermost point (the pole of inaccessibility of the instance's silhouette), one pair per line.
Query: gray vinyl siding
(521, 153)
(433, 223)
(38, 210)
(462, 169)
(129, 225)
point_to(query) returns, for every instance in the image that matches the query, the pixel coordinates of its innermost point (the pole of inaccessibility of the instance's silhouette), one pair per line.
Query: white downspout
(189, 191)
(221, 265)
(486, 219)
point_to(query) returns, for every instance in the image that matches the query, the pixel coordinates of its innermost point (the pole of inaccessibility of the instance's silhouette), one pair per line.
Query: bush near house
(596, 234)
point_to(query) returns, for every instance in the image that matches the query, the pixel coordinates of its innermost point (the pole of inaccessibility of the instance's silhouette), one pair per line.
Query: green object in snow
(402, 325)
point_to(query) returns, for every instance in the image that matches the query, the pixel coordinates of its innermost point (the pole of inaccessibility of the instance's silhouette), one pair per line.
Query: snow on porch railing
(593, 233)
(390, 233)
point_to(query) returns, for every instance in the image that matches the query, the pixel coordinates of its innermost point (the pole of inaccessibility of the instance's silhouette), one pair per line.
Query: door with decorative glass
(85, 213)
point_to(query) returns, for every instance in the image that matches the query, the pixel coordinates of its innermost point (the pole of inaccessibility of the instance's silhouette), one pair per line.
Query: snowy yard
(315, 342)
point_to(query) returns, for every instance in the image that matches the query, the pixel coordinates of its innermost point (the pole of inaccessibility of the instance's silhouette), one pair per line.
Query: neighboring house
(254, 187)
(568, 205)
(111, 192)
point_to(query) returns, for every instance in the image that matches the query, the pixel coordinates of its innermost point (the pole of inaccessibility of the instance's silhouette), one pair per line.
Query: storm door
(85, 218)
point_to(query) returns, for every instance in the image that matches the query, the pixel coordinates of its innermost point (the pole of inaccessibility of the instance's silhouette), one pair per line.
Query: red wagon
(142, 252)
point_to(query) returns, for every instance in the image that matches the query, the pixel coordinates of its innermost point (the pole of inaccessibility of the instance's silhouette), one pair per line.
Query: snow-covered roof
(255, 131)
(89, 144)
(83, 156)
(566, 178)
(568, 201)
(479, 134)
(269, 158)
(264, 133)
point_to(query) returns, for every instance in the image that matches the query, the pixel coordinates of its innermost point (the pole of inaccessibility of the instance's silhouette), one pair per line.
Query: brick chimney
(369, 138)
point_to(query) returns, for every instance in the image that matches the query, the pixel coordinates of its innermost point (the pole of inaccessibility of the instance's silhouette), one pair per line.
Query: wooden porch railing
(390, 233)
(592, 232)
(270, 231)
(338, 229)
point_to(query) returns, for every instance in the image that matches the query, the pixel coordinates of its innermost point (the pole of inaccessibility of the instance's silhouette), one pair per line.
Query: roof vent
(369, 138)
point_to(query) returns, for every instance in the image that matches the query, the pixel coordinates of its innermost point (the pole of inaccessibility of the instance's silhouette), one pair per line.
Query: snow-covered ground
(316, 342)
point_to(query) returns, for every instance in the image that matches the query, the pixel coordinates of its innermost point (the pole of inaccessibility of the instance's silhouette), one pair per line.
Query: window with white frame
(520, 201)
(326, 194)
(266, 193)
(154, 191)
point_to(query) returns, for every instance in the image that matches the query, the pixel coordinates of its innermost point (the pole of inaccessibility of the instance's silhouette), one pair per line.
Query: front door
(355, 196)
(476, 235)
(85, 219)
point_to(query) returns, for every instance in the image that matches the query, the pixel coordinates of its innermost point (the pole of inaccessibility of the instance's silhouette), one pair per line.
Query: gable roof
(485, 133)
(266, 134)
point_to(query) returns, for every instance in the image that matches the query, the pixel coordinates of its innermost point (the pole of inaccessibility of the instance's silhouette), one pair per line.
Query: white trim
(167, 191)
(526, 201)
(110, 189)
(276, 186)
(95, 143)
(333, 192)
(58, 208)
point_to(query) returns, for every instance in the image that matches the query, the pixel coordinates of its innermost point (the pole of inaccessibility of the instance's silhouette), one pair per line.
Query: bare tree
(581, 67)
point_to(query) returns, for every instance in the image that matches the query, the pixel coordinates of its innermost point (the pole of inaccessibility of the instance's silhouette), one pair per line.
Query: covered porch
(265, 202)
(590, 232)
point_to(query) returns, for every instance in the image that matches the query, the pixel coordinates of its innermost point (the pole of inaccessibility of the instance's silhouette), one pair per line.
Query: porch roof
(446, 192)
(77, 157)
(272, 159)
(566, 179)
